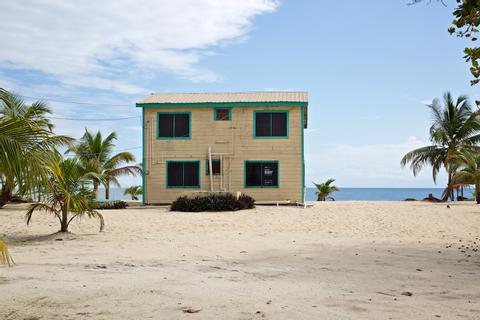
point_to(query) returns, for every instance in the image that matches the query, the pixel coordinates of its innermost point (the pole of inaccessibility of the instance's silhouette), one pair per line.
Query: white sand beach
(336, 260)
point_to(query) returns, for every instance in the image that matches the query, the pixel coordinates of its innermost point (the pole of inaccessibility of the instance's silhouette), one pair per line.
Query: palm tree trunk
(64, 222)
(448, 191)
(5, 195)
(95, 189)
(107, 190)
(477, 193)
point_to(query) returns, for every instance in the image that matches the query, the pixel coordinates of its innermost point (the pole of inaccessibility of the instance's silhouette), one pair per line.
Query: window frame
(229, 114)
(183, 187)
(207, 167)
(260, 161)
(255, 136)
(175, 138)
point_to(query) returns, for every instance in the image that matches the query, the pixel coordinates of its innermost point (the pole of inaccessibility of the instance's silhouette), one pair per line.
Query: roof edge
(221, 104)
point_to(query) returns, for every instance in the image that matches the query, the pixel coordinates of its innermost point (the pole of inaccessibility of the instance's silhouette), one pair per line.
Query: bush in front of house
(246, 201)
(212, 202)
(106, 205)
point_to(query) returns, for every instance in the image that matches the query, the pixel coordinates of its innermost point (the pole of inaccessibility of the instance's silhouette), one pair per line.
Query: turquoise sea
(345, 194)
(381, 194)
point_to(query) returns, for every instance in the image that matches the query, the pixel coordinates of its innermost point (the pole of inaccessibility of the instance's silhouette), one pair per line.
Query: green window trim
(207, 167)
(303, 155)
(260, 187)
(270, 111)
(229, 113)
(144, 164)
(175, 138)
(182, 187)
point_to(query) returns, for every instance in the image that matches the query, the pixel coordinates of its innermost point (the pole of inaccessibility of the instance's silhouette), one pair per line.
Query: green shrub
(246, 201)
(212, 202)
(106, 205)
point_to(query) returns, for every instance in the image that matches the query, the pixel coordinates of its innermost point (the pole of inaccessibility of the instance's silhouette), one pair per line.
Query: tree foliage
(95, 155)
(133, 191)
(5, 257)
(468, 172)
(325, 189)
(465, 25)
(26, 136)
(455, 129)
(66, 196)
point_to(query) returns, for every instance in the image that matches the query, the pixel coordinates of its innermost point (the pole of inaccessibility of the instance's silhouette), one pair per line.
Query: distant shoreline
(381, 194)
(345, 194)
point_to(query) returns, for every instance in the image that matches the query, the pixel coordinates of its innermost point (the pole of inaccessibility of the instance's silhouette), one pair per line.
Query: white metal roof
(227, 97)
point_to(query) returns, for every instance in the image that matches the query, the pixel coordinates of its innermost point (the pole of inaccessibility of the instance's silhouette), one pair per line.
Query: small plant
(66, 198)
(133, 191)
(106, 205)
(5, 257)
(246, 201)
(325, 189)
(212, 202)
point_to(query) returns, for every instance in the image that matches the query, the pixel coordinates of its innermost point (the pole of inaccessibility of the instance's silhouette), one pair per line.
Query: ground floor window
(216, 167)
(183, 174)
(261, 174)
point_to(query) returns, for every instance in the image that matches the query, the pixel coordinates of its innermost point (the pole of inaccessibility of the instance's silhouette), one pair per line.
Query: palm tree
(115, 167)
(5, 257)
(66, 196)
(25, 138)
(12, 106)
(455, 128)
(325, 189)
(469, 173)
(95, 154)
(133, 191)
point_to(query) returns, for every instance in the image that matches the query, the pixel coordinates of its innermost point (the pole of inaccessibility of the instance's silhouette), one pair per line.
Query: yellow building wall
(235, 138)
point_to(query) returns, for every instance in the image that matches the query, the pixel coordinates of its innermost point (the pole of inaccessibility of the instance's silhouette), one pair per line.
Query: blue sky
(369, 67)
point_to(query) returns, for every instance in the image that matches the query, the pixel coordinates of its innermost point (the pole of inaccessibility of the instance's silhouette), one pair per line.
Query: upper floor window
(173, 125)
(271, 124)
(222, 114)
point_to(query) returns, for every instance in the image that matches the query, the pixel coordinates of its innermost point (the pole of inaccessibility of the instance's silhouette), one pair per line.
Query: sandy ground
(343, 260)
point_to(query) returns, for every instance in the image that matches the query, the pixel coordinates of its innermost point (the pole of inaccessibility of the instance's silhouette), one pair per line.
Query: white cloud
(374, 165)
(110, 44)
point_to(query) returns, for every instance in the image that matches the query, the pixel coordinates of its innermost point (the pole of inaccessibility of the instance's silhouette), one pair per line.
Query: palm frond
(5, 257)
(40, 207)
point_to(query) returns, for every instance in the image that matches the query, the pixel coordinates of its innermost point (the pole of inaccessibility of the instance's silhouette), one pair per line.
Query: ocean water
(381, 194)
(345, 194)
(115, 194)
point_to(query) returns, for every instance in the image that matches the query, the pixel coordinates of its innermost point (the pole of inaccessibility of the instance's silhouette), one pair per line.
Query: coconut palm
(133, 191)
(95, 154)
(12, 106)
(455, 128)
(66, 197)
(116, 167)
(25, 138)
(325, 189)
(5, 257)
(469, 173)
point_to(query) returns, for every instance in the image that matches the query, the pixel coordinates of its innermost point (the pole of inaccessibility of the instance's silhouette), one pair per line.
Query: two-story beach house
(248, 142)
